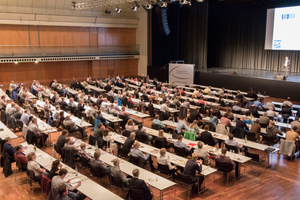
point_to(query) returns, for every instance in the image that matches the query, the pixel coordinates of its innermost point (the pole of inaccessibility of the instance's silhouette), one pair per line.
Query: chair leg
(189, 193)
(227, 177)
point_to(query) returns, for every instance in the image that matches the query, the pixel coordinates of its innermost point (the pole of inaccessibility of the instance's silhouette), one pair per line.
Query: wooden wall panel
(44, 72)
(126, 67)
(14, 35)
(116, 36)
(96, 69)
(34, 36)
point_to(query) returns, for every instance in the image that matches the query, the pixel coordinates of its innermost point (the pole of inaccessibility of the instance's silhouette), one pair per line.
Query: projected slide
(286, 28)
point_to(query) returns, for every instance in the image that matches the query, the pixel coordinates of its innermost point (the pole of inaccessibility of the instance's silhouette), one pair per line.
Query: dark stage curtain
(187, 40)
(236, 38)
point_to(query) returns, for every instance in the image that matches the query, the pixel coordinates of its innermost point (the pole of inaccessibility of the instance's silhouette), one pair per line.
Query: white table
(88, 187)
(7, 98)
(127, 167)
(6, 132)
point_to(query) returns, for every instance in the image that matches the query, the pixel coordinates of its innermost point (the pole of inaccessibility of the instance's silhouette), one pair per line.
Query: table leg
(203, 188)
(238, 170)
(49, 139)
(268, 160)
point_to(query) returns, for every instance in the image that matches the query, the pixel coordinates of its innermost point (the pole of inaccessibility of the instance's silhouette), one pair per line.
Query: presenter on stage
(287, 64)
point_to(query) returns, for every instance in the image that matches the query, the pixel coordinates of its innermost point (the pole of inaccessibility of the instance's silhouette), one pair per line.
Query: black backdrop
(220, 34)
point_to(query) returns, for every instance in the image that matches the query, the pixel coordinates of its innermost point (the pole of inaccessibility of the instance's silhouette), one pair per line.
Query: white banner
(181, 74)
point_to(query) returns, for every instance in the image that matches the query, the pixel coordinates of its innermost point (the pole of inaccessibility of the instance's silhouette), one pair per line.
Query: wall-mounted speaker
(162, 18)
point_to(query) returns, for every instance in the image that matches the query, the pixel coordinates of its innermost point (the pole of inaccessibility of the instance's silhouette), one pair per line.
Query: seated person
(129, 141)
(193, 128)
(253, 111)
(272, 131)
(264, 120)
(58, 181)
(63, 193)
(7, 148)
(296, 123)
(33, 126)
(202, 153)
(164, 160)
(256, 128)
(162, 126)
(181, 125)
(163, 140)
(83, 153)
(224, 120)
(144, 137)
(139, 154)
(207, 137)
(230, 141)
(117, 173)
(35, 167)
(97, 163)
(137, 183)
(124, 113)
(180, 144)
(61, 140)
(236, 108)
(99, 133)
(20, 157)
(286, 111)
(56, 166)
(240, 123)
(288, 103)
(292, 135)
(191, 167)
(271, 113)
(69, 124)
(130, 126)
(258, 104)
(224, 158)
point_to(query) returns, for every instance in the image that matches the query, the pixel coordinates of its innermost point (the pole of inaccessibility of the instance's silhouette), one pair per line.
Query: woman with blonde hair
(193, 128)
(230, 114)
(130, 126)
(161, 141)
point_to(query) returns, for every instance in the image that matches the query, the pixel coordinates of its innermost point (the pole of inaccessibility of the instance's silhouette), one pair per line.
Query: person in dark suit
(241, 124)
(129, 141)
(108, 87)
(286, 111)
(145, 97)
(80, 106)
(254, 111)
(117, 173)
(61, 140)
(195, 115)
(252, 94)
(142, 135)
(191, 166)
(206, 136)
(7, 148)
(97, 163)
(99, 132)
(136, 183)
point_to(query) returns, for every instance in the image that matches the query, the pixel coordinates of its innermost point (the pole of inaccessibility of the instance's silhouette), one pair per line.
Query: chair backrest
(126, 133)
(141, 138)
(189, 136)
(201, 158)
(123, 152)
(95, 171)
(233, 148)
(180, 151)
(137, 194)
(223, 166)
(255, 157)
(159, 144)
(19, 165)
(184, 179)
(155, 126)
(31, 174)
(84, 161)
(92, 140)
(136, 161)
(163, 169)
(117, 182)
(250, 136)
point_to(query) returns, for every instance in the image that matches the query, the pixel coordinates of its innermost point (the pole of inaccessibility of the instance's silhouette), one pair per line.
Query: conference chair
(225, 168)
(250, 136)
(186, 180)
(136, 161)
(255, 158)
(156, 126)
(180, 151)
(123, 153)
(164, 169)
(233, 148)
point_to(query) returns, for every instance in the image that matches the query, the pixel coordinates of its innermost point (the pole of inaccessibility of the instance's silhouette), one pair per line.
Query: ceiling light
(16, 62)
(134, 8)
(107, 11)
(163, 4)
(148, 6)
(190, 2)
(118, 10)
(36, 62)
(200, 0)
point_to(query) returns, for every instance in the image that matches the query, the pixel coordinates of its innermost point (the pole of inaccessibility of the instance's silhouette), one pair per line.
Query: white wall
(141, 40)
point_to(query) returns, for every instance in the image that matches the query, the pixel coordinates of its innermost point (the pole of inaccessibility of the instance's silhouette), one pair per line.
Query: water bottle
(76, 171)
(245, 138)
(96, 145)
(288, 121)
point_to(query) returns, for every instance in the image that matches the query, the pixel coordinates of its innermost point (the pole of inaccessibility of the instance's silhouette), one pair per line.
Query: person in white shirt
(287, 64)
(270, 104)
(165, 107)
(202, 153)
(164, 160)
(288, 103)
(207, 90)
(12, 85)
(35, 167)
(113, 110)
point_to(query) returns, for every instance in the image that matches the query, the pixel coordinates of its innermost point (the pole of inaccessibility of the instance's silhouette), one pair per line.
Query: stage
(293, 77)
(260, 81)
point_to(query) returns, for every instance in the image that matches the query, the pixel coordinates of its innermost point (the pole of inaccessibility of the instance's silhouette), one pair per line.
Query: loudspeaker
(162, 18)
(279, 77)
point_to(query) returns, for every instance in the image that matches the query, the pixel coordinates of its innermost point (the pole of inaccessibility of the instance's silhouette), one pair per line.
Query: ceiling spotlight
(200, 0)
(134, 8)
(36, 62)
(183, 2)
(148, 6)
(107, 11)
(163, 4)
(118, 10)
(16, 62)
(190, 2)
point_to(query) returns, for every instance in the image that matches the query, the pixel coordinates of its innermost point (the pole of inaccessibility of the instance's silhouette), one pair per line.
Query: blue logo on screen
(288, 16)
(277, 44)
